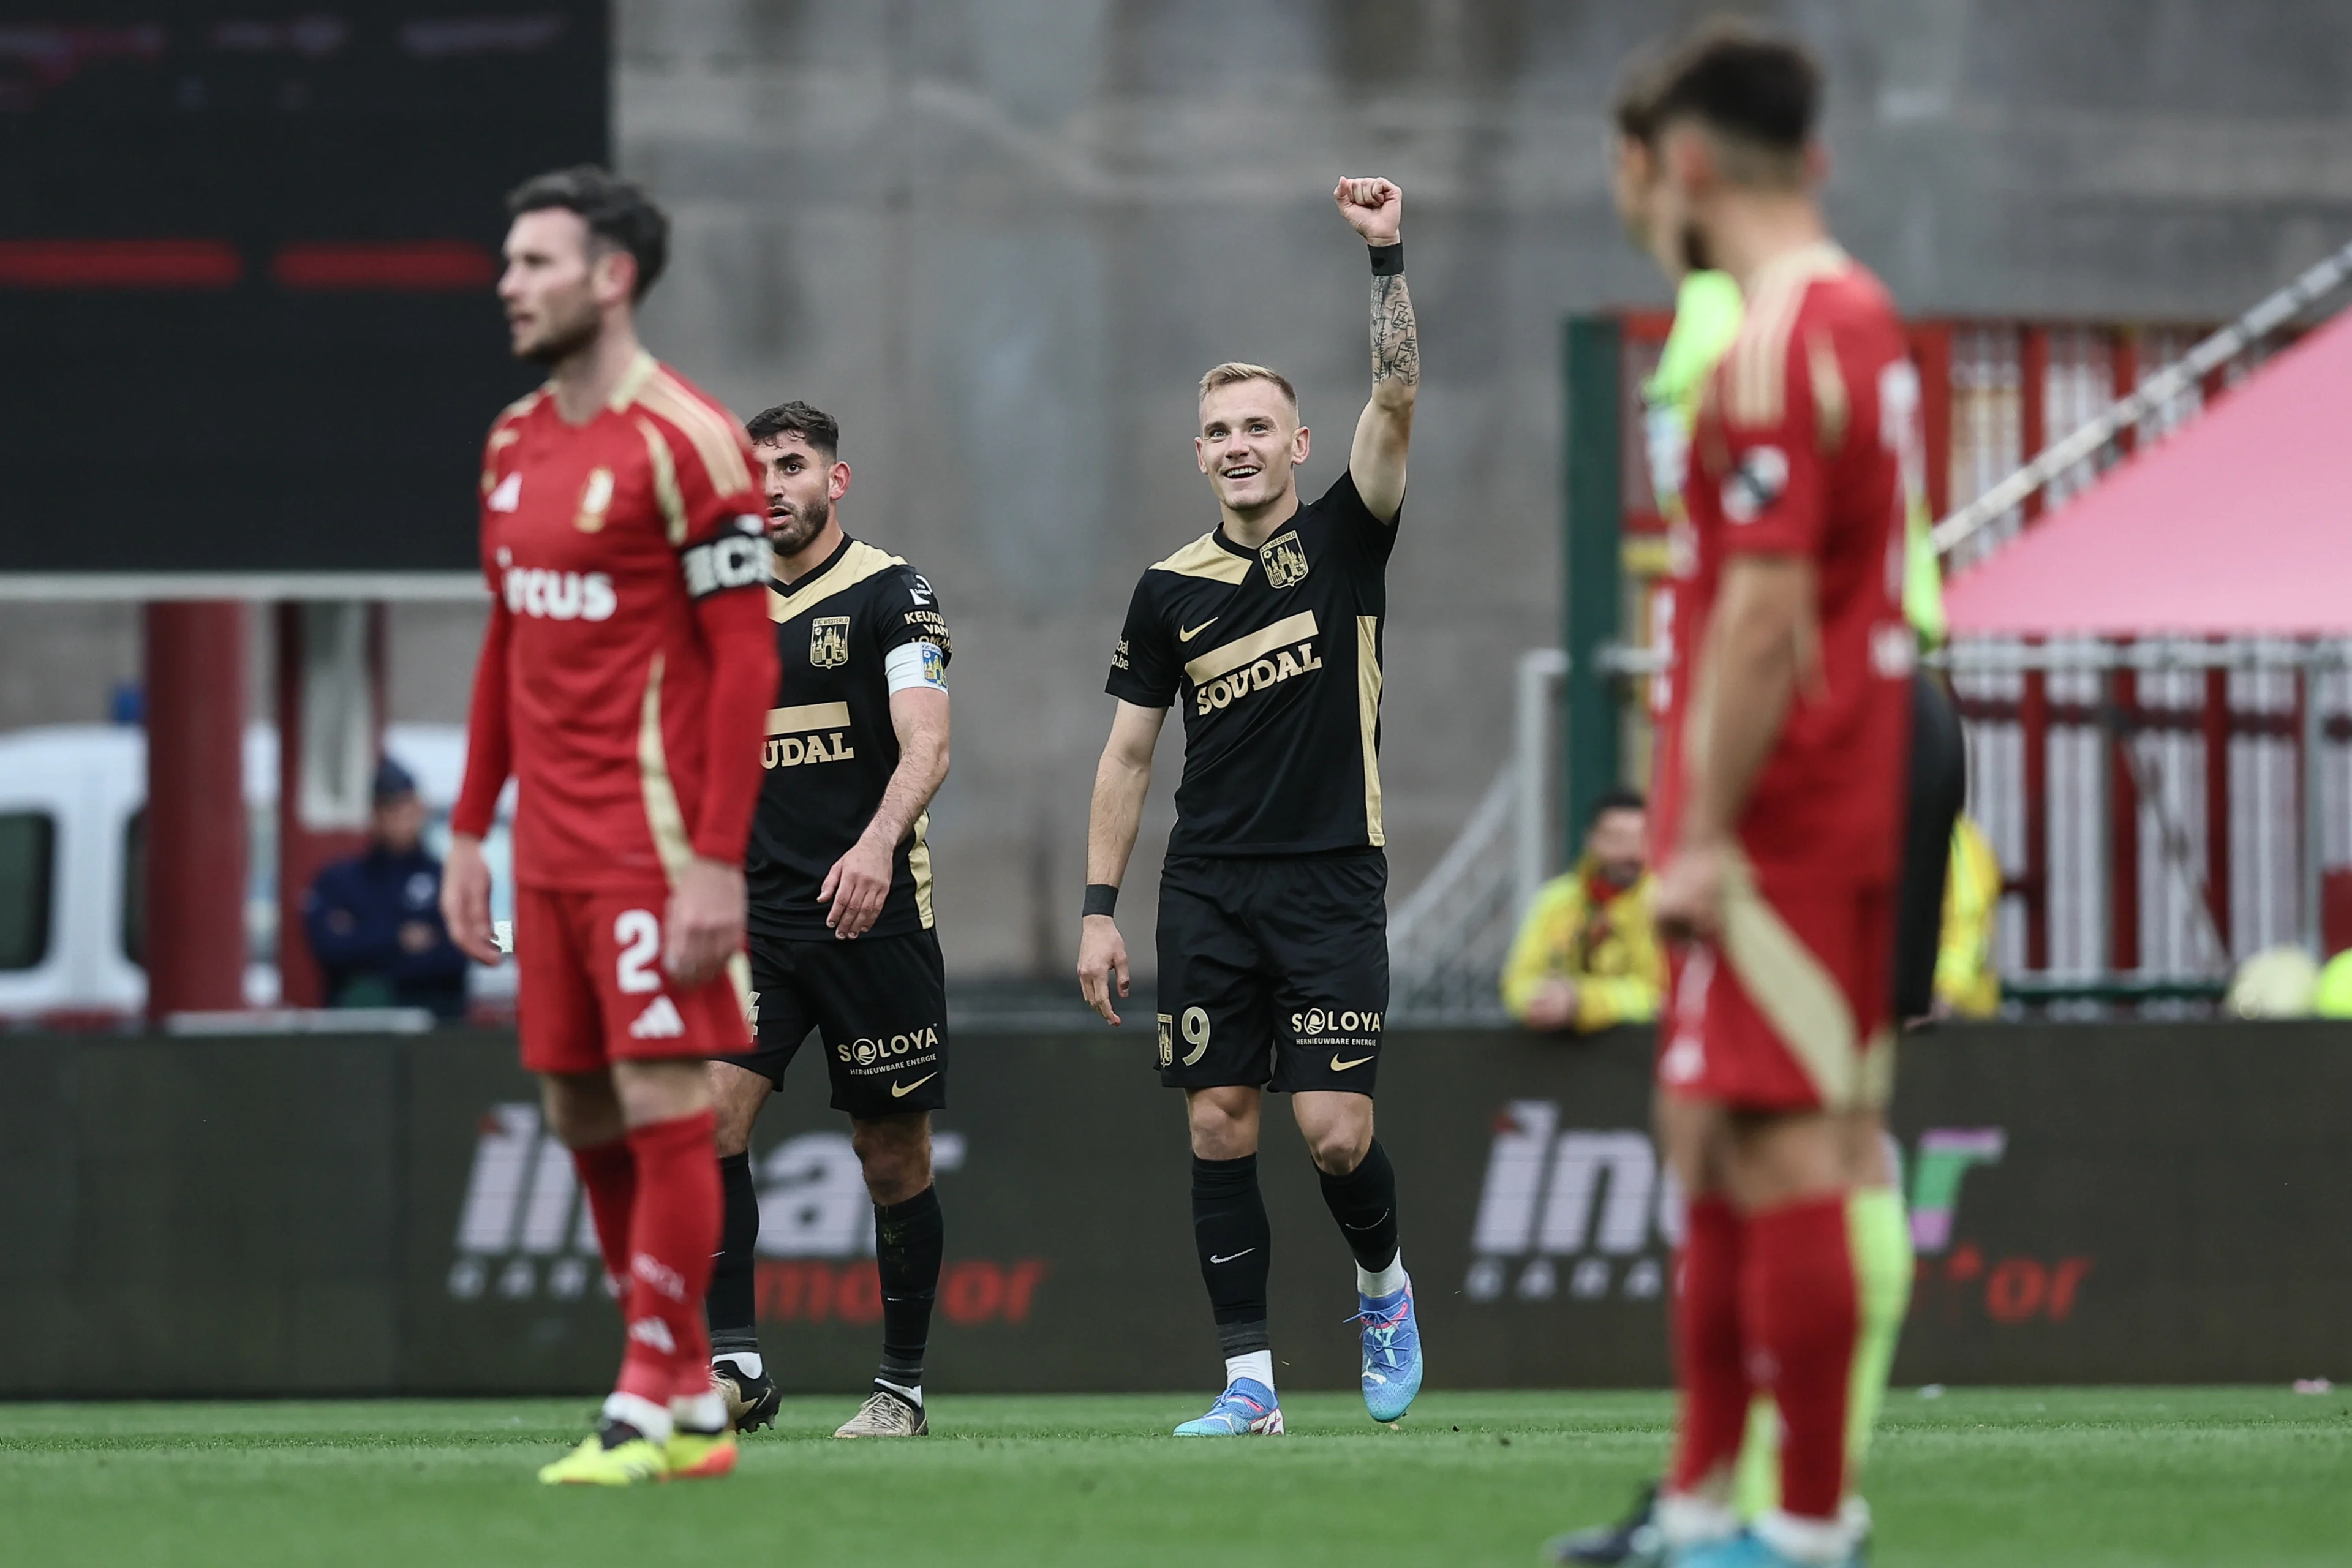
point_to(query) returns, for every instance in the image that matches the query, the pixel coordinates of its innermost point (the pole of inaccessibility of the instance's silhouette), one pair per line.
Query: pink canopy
(2240, 523)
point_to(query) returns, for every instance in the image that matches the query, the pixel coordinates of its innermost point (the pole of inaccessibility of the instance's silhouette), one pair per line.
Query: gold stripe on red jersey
(632, 384)
(664, 819)
(1759, 354)
(714, 436)
(665, 491)
(1832, 407)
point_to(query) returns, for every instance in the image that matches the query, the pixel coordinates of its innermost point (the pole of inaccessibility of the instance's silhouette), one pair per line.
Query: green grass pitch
(2143, 1478)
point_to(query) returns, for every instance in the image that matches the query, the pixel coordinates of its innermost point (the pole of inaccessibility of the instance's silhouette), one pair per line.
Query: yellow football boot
(699, 1455)
(630, 1462)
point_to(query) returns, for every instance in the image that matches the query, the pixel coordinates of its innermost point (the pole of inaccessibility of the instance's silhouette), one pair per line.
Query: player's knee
(582, 1110)
(895, 1155)
(1339, 1148)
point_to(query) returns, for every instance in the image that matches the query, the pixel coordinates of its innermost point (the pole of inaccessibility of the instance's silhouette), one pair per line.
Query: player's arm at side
(1375, 209)
(1762, 639)
(1122, 779)
(489, 758)
(723, 565)
(1145, 673)
(914, 636)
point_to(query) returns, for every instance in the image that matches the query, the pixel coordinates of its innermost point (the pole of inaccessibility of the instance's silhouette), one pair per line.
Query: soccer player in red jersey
(624, 680)
(1780, 784)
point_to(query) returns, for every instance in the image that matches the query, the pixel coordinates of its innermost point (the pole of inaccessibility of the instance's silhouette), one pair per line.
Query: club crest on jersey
(829, 642)
(1285, 559)
(594, 497)
(1750, 490)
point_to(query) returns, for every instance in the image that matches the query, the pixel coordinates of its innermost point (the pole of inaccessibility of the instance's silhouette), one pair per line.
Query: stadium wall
(2091, 1203)
(1001, 237)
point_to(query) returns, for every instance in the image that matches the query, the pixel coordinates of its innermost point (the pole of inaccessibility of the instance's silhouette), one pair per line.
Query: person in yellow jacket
(1587, 955)
(1967, 982)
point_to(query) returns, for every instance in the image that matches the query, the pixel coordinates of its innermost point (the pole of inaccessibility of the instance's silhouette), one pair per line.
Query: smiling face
(1250, 444)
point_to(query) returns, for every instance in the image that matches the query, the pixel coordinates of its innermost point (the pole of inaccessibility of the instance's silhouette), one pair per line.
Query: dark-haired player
(622, 677)
(1273, 925)
(1707, 317)
(1780, 776)
(842, 940)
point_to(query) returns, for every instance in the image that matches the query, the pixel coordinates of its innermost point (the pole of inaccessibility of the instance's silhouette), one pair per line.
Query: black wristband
(1388, 260)
(1102, 899)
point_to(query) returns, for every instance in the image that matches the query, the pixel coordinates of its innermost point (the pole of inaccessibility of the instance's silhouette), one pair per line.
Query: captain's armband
(916, 666)
(737, 557)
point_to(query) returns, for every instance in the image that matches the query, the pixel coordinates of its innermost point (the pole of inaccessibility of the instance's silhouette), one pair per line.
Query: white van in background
(72, 799)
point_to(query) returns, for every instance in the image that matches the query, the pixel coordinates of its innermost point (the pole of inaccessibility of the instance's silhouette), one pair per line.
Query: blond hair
(1233, 371)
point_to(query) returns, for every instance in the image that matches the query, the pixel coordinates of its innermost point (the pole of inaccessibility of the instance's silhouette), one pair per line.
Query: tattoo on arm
(1396, 338)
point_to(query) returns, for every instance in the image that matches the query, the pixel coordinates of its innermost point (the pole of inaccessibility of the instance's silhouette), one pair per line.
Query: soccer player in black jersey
(840, 920)
(1272, 930)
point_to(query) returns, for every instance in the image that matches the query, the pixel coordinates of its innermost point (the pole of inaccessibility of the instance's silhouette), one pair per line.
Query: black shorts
(879, 1004)
(1937, 787)
(1273, 972)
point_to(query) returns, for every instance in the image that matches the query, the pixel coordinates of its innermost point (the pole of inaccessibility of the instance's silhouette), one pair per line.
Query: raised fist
(1372, 208)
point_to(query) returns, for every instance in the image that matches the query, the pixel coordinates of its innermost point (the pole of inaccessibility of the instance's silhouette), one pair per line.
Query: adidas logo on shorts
(659, 1021)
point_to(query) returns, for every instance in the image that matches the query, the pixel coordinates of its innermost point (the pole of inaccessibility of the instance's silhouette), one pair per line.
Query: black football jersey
(831, 748)
(1274, 654)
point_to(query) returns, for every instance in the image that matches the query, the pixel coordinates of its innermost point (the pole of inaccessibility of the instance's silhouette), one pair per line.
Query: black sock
(732, 1306)
(907, 1240)
(1364, 1203)
(1231, 1233)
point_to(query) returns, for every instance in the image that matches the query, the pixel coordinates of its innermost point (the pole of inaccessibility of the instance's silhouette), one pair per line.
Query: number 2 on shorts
(639, 934)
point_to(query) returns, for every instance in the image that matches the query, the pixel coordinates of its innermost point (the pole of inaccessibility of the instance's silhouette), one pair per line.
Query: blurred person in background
(1967, 978)
(375, 919)
(1587, 956)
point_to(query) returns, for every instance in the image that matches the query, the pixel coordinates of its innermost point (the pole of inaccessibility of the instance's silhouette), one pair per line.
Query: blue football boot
(1746, 1549)
(1247, 1409)
(1391, 1352)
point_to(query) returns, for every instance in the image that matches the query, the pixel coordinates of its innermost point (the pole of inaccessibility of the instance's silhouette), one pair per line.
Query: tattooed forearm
(1396, 338)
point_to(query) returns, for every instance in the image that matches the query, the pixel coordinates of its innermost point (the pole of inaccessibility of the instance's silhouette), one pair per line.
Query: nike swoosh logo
(900, 1091)
(1184, 636)
(1339, 1065)
(1244, 1252)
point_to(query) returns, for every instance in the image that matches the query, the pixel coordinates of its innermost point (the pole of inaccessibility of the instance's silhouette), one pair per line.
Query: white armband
(916, 665)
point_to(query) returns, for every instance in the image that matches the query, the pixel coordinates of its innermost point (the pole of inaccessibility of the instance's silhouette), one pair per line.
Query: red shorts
(1791, 1009)
(592, 989)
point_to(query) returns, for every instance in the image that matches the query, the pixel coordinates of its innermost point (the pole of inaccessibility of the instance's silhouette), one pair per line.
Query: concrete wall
(1000, 239)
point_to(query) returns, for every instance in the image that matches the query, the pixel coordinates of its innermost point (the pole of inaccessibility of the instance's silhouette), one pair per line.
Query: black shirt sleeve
(1143, 669)
(906, 610)
(1365, 535)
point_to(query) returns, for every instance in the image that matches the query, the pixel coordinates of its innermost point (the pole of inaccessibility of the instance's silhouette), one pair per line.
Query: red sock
(608, 1172)
(1707, 1361)
(1803, 1307)
(672, 1234)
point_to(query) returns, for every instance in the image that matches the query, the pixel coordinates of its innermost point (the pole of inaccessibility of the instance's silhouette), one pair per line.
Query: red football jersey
(1807, 444)
(613, 550)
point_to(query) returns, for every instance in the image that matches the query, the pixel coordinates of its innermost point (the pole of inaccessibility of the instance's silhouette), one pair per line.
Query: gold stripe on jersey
(1759, 360)
(919, 863)
(633, 381)
(1231, 656)
(1368, 720)
(1792, 988)
(713, 435)
(1204, 557)
(808, 716)
(739, 975)
(666, 492)
(663, 817)
(858, 563)
(1832, 407)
